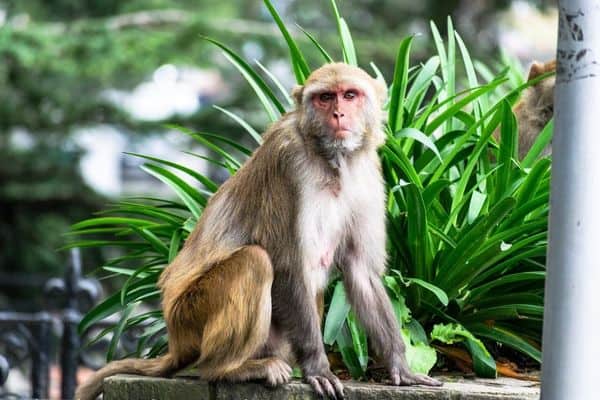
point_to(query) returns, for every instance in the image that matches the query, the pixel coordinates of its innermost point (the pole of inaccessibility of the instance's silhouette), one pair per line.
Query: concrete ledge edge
(131, 387)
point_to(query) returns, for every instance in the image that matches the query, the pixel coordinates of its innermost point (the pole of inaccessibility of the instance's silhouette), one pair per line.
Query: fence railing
(27, 337)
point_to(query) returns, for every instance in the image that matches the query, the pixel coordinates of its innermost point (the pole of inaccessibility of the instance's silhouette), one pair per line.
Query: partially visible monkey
(535, 108)
(240, 299)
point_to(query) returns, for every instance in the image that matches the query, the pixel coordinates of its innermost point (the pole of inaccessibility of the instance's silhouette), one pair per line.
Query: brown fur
(535, 108)
(243, 298)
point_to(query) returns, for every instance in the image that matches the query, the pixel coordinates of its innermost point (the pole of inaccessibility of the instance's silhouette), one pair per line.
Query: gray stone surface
(129, 387)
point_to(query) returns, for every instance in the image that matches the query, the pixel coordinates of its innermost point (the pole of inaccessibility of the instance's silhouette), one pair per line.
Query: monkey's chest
(323, 219)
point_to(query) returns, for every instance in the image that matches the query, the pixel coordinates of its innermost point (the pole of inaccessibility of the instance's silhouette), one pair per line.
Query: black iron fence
(28, 337)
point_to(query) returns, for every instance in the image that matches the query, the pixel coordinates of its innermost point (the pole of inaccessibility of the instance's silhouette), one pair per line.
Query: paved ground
(129, 387)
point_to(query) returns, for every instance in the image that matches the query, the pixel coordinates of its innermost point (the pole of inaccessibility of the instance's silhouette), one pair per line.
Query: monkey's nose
(337, 114)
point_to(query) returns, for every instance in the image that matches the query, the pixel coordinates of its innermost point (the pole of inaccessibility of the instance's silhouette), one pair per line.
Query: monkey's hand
(401, 375)
(278, 372)
(326, 384)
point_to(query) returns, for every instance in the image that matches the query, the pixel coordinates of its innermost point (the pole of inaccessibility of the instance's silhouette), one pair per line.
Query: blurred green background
(82, 81)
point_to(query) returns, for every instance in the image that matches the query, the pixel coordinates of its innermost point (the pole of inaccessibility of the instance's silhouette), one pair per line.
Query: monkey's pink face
(341, 110)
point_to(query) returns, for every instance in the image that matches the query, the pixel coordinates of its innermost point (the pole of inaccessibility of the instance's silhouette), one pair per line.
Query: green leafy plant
(467, 220)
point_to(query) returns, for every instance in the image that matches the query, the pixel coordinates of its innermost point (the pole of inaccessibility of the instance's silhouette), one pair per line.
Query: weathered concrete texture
(129, 387)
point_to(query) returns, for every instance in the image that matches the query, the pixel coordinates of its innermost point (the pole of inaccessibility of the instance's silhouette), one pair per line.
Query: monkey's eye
(327, 96)
(350, 94)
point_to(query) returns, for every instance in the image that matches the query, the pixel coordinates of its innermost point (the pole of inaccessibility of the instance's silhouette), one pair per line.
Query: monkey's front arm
(295, 312)
(370, 302)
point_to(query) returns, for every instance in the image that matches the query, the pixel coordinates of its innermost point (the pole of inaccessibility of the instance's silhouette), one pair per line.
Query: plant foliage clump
(467, 220)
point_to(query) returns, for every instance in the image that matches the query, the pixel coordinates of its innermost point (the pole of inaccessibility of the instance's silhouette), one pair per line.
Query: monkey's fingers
(327, 385)
(339, 388)
(312, 381)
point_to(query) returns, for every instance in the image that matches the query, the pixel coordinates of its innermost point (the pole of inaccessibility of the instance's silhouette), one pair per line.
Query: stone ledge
(130, 387)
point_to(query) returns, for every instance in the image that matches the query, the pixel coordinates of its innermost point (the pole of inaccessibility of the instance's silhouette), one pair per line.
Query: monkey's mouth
(341, 134)
(346, 140)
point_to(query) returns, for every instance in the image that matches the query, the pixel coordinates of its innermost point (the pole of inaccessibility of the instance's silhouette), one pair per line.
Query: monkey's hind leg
(238, 325)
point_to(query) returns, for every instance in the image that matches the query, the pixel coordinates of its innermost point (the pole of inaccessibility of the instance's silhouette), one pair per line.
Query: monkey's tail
(161, 366)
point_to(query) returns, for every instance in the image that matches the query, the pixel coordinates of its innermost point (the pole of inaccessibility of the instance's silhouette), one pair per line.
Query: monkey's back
(254, 206)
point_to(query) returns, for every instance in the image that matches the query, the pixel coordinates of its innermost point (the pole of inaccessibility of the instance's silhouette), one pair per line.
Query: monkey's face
(340, 110)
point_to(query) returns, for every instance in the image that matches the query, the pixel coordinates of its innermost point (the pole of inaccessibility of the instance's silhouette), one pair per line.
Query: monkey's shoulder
(283, 134)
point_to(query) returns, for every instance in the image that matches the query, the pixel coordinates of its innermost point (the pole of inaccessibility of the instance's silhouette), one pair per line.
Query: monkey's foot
(407, 378)
(278, 372)
(326, 384)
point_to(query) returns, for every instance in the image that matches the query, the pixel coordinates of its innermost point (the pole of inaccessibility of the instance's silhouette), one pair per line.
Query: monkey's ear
(297, 94)
(535, 70)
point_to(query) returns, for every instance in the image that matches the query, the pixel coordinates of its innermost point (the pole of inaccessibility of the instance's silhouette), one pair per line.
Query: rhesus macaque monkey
(240, 299)
(535, 108)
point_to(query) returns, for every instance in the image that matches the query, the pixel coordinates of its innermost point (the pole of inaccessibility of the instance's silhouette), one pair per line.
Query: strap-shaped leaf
(324, 53)
(398, 91)
(336, 315)
(418, 234)
(251, 131)
(272, 106)
(190, 196)
(299, 64)
(207, 182)
(454, 271)
(346, 41)
(504, 334)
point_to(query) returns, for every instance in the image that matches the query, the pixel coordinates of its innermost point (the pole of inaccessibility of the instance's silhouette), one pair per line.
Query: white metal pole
(571, 337)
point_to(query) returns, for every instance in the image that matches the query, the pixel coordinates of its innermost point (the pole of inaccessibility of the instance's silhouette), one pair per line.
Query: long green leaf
(519, 277)
(326, 56)
(118, 331)
(336, 315)
(543, 139)
(439, 293)
(454, 270)
(422, 82)
(419, 137)
(359, 341)
(483, 363)
(207, 182)
(251, 131)
(192, 199)
(93, 222)
(272, 106)
(398, 93)
(153, 240)
(300, 67)
(282, 90)
(346, 42)
(507, 151)
(418, 238)
(349, 356)
(502, 334)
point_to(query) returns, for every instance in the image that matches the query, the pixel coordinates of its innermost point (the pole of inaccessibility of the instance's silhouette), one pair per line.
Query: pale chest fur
(329, 211)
